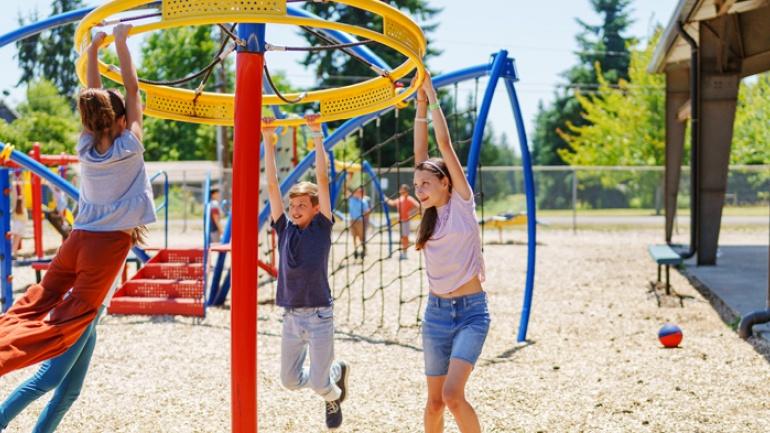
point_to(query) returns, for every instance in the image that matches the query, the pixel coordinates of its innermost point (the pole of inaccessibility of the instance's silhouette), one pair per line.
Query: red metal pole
(37, 202)
(243, 312)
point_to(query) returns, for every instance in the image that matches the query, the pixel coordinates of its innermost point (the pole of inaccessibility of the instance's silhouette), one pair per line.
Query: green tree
(51, 55)
(601, 48)
(46, 117)
(751, 134)
(624, 121)
(334, 67)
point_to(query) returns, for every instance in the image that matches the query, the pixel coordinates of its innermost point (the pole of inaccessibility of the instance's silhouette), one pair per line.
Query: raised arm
(321, 165)
(421, 127)
(459, 182)
(130, 80)
(273, 190)
(93, 78)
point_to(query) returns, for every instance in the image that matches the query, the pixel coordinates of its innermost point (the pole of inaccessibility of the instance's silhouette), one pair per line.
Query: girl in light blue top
(115, 203)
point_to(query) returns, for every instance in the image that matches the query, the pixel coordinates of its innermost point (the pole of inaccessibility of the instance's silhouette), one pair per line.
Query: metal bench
(664, 255)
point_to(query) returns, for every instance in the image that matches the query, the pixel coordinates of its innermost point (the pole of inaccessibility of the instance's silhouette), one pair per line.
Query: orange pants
(87, 263)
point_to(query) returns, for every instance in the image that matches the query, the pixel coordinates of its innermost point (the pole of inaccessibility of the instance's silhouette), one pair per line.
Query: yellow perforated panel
(186, 107)
(183, 9)
(401, 34)
(382, 91)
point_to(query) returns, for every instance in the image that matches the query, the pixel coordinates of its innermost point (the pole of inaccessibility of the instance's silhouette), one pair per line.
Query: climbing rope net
(378, 290)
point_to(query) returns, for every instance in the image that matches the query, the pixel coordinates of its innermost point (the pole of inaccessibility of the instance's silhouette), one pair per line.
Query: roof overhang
(673, 51)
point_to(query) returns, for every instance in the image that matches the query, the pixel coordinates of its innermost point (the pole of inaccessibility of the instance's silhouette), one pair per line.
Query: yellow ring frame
(225, 102)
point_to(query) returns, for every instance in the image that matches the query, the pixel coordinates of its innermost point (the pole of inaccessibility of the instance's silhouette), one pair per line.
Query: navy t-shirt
(303, 264)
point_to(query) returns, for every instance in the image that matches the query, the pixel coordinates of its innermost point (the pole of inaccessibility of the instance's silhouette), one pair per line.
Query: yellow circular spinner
(399, 32)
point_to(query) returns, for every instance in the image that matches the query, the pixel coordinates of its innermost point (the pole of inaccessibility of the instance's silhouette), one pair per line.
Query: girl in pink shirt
(456, 318)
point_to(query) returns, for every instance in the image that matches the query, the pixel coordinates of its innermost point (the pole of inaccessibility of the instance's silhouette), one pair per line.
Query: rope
(229, 32)
(220, 57)
(379, 71)
(278, 93)
(353, 279)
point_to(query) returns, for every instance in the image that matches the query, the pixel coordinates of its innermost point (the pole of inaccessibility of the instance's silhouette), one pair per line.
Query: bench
(664, 255)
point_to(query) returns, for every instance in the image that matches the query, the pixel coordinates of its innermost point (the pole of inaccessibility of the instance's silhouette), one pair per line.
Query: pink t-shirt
(453, 252)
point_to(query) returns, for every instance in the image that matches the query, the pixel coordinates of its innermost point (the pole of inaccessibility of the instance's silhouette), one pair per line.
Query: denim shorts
(454, 328)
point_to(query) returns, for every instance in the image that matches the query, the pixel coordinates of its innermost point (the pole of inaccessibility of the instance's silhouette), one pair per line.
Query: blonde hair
(305, 189)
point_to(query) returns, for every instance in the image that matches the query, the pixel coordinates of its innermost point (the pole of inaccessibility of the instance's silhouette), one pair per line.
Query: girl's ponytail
(427, 225)
(97, 111)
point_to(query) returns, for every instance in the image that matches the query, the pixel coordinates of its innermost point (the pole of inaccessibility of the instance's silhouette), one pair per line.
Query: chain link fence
(565, 195)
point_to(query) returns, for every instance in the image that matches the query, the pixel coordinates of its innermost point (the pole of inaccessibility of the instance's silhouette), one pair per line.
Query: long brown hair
(99, 109)
(438, 168)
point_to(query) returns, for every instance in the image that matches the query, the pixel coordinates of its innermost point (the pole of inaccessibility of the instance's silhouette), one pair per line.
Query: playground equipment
(500, 68)
(34, 192)
(400, 33)
(244, 110)
(368, 100)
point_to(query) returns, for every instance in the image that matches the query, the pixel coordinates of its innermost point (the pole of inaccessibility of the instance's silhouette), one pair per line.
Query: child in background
(215, 210)
(19, 217)
(359, 210)
(407, 207)
(304, 241)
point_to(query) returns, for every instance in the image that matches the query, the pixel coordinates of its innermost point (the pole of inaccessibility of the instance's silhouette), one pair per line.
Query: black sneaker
(333, 409)
(342, 382)
(333, 414)
(355, 254)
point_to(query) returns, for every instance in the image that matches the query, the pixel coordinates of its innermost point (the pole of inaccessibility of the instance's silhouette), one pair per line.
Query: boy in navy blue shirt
(304, 241)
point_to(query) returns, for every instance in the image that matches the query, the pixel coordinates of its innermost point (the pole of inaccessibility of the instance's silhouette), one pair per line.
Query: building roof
(673, 50)
(7, 113)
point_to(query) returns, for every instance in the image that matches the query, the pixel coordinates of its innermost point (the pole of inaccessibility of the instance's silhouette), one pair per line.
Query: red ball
(670, 335)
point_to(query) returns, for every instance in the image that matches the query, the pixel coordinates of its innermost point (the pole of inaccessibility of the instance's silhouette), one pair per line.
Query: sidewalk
(740, 279)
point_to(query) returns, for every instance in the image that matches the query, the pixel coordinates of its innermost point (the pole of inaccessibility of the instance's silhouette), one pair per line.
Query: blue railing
(164, 205)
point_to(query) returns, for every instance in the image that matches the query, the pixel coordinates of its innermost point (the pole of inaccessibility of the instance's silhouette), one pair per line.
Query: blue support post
(529, 186)
(6, 255)
(498, 64)
(164, 205)
(206, 233)
(217, 294)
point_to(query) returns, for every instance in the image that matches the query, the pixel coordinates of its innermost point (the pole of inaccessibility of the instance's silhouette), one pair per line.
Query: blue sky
(539, 35)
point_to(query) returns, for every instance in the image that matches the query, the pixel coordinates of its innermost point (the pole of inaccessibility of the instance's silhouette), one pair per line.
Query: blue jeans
(310, 329)
(65, 373)
(454, 328)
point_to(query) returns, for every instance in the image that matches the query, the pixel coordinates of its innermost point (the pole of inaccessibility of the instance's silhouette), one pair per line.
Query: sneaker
(333, 414)
(402, 256)
(355, 254)
(342, 382)
(333, 409)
